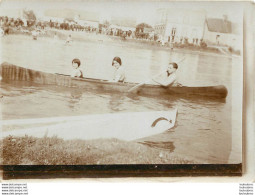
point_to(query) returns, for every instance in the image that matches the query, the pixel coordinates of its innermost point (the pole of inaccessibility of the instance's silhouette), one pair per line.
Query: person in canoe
(77, 72)
(119, 74)
(168, 78)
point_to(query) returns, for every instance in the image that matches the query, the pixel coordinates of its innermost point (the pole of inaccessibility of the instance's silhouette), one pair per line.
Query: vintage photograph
(121, 83)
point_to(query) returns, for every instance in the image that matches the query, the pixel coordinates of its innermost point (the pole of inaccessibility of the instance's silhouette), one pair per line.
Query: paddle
(143, 83)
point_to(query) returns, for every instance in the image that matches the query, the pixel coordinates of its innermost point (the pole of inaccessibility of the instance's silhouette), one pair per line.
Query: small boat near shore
(123, 126)
(11, 72)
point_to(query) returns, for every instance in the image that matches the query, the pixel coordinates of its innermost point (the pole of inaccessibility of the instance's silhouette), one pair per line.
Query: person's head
(76, 63)
(116, 62)
(172, 67)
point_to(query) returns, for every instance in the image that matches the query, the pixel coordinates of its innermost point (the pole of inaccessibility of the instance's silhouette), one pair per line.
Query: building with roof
(220, 31)
(177, 24)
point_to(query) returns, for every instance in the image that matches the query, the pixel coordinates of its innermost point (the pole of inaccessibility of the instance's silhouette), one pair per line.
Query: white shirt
(166, 80)
(76, 73)
(119, 75)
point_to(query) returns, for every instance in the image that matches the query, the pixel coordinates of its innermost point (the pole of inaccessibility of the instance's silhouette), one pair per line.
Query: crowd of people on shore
(8, 24)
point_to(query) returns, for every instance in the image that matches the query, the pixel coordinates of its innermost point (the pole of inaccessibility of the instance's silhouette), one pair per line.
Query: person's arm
(167, 82)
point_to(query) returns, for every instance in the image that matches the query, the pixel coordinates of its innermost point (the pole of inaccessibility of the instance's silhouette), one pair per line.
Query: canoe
(16, 73)
(123, 126)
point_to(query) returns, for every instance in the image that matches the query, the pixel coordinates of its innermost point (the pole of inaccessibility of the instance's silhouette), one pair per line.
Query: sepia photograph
(121, 87)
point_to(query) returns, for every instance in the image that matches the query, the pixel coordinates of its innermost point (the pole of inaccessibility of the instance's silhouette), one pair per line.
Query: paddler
(119, 74)
(168, 78)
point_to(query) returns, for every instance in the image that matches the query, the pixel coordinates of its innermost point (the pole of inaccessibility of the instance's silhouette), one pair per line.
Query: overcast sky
(141, 11)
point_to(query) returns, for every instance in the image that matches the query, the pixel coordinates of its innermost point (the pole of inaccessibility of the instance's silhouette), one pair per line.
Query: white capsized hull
(123, 126)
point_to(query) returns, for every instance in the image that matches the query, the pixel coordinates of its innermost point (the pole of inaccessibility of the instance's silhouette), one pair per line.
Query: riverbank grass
(55, 151)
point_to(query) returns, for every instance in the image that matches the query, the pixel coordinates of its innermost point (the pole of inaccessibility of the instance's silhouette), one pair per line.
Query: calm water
(207, 131)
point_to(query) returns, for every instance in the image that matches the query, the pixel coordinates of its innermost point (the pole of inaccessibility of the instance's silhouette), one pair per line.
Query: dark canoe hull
(11, 72)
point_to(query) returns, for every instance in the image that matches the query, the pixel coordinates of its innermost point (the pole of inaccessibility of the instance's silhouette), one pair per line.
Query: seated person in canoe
(119, 74)
(168, 78)
(77, 72)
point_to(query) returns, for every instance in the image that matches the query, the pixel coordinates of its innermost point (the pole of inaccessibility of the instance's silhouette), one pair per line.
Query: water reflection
(202, 126)
(213, 71)
(169, 146)
(116, 102)
(75, 97)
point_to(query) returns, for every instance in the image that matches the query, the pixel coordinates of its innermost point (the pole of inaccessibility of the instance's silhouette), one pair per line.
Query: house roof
(219, 25)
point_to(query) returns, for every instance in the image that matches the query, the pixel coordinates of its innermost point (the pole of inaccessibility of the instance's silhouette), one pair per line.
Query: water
(206, 131)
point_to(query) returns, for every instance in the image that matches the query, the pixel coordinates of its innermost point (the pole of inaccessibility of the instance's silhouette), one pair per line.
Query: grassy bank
(55, 151)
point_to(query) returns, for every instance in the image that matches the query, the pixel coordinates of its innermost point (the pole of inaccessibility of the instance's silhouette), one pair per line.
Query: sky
(141, 11)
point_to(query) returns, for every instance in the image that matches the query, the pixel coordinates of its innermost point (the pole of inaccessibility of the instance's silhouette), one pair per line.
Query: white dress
(119, 75)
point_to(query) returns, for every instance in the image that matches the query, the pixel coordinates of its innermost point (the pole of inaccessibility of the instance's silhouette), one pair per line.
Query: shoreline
(138, 43)
(144, 44)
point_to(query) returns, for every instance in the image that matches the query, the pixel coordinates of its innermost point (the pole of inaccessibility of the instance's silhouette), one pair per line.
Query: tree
(29, 15)
(140, 27)
(106, 24)
(140, 32)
